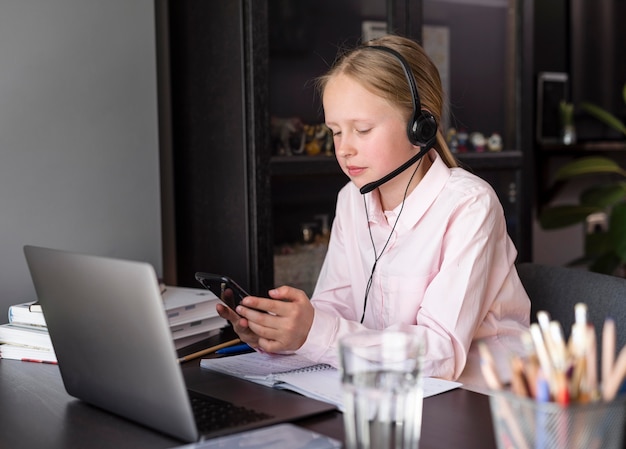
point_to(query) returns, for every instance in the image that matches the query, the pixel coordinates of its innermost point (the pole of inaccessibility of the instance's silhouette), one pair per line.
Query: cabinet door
(213, 56)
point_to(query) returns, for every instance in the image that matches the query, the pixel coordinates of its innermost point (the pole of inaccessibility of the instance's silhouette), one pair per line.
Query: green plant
(605, 251)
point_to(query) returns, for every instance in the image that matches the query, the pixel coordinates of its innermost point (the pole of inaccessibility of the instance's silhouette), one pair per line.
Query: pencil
(542, 354)
(592, 363)
(207, 351)
(616, 376)
(608, 350)
(488, 367)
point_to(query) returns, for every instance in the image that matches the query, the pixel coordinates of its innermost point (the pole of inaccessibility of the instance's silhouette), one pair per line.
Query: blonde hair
(382, 74)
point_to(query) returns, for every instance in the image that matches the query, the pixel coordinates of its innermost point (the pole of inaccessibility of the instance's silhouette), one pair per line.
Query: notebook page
(257, 365)
(299, 374)
(323, 384)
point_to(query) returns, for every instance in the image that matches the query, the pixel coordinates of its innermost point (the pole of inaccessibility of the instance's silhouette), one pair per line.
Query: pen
(210, 350)
(234, 349)
(39, 361)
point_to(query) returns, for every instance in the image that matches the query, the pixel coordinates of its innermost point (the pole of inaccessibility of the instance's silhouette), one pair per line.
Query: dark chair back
(557, 289)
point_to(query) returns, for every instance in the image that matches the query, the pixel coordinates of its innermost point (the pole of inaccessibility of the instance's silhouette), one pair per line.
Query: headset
(421, 131)
(421, 128)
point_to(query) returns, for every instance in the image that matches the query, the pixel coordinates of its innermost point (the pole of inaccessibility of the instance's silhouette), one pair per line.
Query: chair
(557, 289)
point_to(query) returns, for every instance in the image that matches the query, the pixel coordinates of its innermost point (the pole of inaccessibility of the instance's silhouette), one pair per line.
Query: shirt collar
(417, 202)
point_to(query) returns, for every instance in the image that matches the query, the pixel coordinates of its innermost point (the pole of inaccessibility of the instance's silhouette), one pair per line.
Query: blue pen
(234, 349)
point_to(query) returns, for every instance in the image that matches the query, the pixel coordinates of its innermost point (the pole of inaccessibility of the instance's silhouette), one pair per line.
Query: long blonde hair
(382, 74)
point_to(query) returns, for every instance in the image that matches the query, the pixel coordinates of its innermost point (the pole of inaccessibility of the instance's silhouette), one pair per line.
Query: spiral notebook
(296, 373)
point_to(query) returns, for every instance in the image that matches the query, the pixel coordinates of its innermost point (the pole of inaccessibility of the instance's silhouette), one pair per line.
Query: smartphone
(227, 290)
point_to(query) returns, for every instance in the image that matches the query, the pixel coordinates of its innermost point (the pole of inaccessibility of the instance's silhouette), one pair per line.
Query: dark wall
(587, 40)
(303, 39)
(598, 61)
(551, 47)
(478, 65)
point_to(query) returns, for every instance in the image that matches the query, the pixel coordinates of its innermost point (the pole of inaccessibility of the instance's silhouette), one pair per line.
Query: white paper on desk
(296, 373)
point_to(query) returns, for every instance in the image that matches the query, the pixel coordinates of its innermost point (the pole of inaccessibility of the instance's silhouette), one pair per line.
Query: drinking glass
(383, 390)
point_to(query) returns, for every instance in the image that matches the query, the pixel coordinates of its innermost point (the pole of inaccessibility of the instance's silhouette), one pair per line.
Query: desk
(35, 411)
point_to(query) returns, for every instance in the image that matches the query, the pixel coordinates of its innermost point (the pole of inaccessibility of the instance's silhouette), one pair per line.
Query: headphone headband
(422, 127)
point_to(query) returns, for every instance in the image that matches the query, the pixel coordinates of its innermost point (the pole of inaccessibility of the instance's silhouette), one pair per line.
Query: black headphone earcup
(422, 129)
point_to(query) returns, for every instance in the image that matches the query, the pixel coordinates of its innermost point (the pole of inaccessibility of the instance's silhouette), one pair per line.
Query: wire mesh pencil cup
(524, 423)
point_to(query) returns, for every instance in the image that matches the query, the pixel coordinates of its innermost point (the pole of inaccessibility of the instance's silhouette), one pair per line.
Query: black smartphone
(227, 290)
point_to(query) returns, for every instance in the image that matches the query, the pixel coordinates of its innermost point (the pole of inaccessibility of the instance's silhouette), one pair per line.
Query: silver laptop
(115, 350)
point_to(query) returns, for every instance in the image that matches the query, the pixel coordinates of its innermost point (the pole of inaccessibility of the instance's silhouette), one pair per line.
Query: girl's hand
(285, 327)
(240, 325)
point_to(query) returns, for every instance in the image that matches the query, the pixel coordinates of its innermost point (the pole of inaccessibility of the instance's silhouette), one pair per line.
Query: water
(383, 410)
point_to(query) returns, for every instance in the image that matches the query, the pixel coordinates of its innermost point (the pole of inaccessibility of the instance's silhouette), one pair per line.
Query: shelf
(584, 147)
(327, 165)
(495, 160)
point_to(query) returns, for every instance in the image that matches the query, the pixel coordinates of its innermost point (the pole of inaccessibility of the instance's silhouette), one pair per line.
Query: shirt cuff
(321, 343)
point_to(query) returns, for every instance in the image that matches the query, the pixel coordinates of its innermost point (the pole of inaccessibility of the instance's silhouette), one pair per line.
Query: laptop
(115, 351)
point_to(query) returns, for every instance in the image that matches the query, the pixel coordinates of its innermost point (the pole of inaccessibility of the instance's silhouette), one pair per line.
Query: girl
(417, 243)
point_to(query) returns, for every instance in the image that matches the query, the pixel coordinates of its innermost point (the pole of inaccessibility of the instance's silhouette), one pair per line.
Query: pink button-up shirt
(447, 273)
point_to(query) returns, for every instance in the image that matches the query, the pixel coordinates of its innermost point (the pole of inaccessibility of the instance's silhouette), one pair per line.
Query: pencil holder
(523, 423)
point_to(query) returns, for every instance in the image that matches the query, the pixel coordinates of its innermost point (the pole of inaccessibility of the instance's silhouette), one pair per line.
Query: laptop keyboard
(213, 414)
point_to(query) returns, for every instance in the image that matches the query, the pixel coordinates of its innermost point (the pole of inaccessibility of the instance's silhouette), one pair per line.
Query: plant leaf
(589, 165)
(617, 230)
(556, 217)
(604, 116)
(604, 195)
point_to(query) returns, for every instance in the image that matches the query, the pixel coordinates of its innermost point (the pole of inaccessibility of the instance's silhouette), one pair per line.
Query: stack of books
(26, 336)
(190, 312)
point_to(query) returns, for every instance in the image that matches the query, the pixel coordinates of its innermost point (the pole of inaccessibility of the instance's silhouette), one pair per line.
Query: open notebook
(296, 373)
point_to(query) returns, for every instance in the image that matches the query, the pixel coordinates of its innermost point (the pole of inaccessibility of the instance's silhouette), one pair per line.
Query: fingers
(286, 293)
(286, 325)
(240, 326)
(228, 314)
(278, 304)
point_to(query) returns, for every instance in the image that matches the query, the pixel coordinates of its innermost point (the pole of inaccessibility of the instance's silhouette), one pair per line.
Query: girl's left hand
(285, 327)
(240, 325)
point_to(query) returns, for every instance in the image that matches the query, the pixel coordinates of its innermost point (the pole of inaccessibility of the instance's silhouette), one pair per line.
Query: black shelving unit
(228, 201)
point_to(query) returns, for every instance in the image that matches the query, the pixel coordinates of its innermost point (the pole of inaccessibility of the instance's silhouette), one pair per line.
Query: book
(26, 335)
(25, 314)
(195, 327)
(296, 373)
(35, 307)
(188, 341)
(184, 305)
(27, 353)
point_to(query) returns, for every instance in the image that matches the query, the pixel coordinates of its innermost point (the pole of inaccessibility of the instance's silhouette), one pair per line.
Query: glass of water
(383, 390)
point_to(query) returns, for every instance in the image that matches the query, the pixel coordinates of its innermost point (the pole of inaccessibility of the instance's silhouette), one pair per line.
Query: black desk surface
(35, 411)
